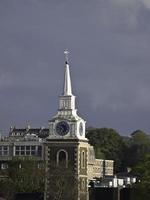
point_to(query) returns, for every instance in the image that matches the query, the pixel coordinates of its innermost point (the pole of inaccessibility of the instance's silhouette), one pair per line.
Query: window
(33, 148)
(62, 158)
(17, 151)
(22, 148)
(17, 147)
(27, 153)
(4, 166)
(39, 151)
(83, 184)
(83, 159)
(4, 150)
(22, 153)
(0, 150)
(27, 148)
(33, 153)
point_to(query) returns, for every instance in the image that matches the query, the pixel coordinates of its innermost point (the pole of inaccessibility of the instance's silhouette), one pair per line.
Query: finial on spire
(66, 52)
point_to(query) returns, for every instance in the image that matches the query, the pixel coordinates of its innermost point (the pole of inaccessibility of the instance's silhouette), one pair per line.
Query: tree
(108, 144)
(142, 170)
(7, 189)
(140, 137)
(26, 174)
(62, 183)
(139, 146)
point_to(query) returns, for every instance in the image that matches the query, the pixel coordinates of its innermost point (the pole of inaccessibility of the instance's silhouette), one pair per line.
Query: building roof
(22, 132)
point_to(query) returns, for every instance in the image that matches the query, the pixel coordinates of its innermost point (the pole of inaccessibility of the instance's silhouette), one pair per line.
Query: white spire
(67, 80)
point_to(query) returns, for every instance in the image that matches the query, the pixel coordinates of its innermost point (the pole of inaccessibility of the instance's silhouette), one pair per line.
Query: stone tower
(66, 149)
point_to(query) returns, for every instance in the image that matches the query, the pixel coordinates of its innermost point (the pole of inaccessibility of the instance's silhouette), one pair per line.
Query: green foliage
(108, 144)
(142, 170)
(140, 138)
(7, 189)
(62, 184)
(125, 151)
(139, 146)
(26, 174)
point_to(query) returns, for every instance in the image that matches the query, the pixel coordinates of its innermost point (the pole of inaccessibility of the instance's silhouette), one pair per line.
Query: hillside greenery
(127, 151)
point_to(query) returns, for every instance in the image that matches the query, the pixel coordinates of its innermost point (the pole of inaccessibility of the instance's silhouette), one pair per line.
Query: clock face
(62, 128)
(81, 128)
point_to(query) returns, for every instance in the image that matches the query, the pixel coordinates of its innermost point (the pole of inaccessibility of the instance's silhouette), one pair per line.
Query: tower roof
(67, 79)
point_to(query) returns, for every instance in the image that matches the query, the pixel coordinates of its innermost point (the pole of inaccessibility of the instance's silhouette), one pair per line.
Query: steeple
(67, 112)
(67, 99)
(67, 80)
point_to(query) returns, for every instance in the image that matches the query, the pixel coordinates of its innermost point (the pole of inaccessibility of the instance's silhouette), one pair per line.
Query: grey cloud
(109, 56)
(133, 3)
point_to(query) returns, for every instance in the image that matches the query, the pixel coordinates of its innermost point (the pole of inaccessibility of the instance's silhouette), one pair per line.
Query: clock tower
(66, 149)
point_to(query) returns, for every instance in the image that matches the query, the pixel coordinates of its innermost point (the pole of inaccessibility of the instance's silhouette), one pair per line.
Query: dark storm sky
(109, 44)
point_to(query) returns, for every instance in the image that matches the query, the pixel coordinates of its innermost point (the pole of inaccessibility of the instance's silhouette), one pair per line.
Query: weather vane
(66, 52)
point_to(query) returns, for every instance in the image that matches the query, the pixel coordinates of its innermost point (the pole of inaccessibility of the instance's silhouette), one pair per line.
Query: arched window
(83, 184)
(62, 158)
(83, 159)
